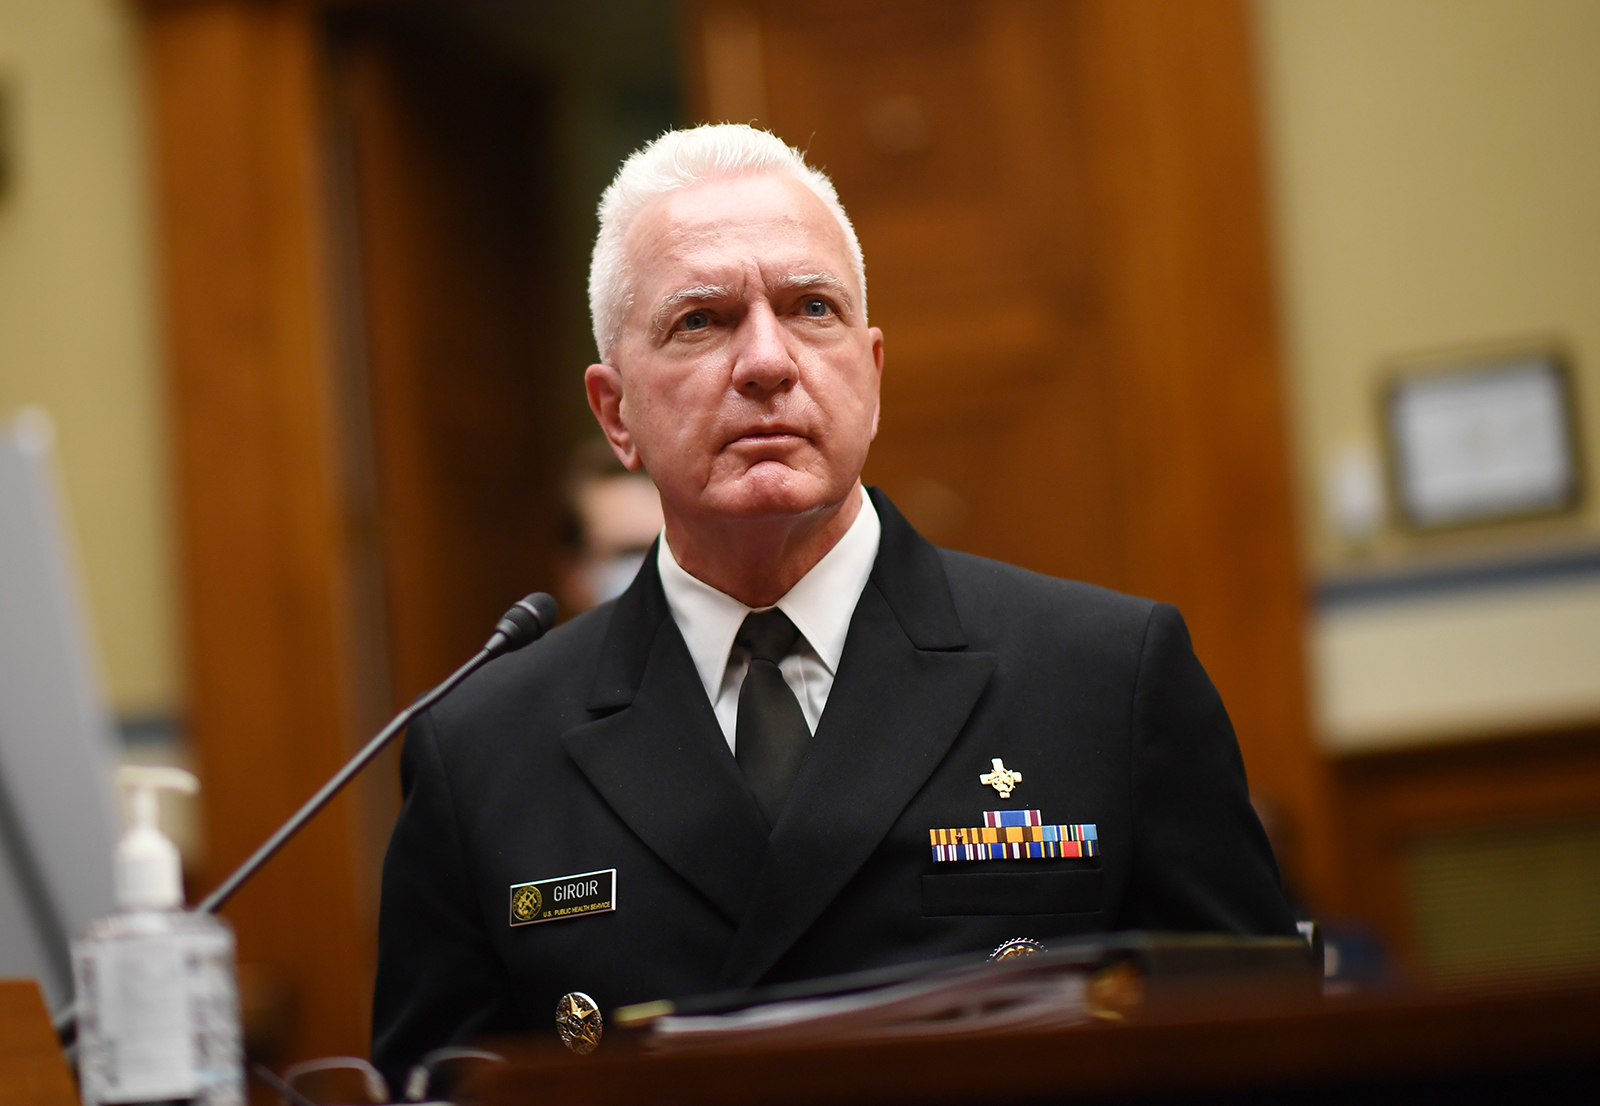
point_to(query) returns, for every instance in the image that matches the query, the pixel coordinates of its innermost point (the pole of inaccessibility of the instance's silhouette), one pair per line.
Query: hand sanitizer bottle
(158, 1012)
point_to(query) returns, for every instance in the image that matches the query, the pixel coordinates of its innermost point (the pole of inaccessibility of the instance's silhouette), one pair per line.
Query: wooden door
(447, 159)
(1061, 205)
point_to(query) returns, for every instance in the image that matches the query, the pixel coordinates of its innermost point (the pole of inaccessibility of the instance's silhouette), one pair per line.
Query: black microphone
(526, 622)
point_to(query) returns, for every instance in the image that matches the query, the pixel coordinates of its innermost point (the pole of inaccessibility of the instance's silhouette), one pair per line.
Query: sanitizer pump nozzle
(149, 871)
(158, 1009)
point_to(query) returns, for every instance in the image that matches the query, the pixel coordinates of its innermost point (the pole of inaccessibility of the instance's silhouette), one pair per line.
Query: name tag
(548, 900)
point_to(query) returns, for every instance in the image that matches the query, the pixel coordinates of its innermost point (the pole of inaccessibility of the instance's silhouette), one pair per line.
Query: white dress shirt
(820, 605)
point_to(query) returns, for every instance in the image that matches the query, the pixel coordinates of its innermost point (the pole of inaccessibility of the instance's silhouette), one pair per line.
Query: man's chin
(758, 495)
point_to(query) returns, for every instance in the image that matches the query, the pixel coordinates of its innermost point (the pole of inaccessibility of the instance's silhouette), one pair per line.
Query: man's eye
(696, 320)
(815, 308)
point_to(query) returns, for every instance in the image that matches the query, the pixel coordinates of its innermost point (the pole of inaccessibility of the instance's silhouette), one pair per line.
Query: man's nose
(763, 363)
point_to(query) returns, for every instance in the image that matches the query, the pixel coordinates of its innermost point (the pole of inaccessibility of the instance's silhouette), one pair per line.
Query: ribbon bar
(1012, 818)
(1021, 842)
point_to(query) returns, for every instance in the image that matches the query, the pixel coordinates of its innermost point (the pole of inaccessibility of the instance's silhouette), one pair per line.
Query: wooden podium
(1510, 1045)
(33, 1072)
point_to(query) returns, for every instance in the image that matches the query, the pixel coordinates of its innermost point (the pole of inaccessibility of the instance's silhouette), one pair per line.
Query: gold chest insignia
(1002, 779)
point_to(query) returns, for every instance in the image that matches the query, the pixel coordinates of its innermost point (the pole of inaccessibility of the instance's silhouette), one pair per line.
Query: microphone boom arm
(225, 890)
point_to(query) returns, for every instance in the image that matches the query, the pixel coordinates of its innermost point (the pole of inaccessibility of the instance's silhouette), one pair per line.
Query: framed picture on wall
(1483, 438)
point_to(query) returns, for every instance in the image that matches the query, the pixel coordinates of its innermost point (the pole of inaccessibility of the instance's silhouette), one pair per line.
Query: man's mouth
(767, 435)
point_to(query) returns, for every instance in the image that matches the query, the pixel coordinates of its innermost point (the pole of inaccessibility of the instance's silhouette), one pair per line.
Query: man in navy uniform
(774, 755)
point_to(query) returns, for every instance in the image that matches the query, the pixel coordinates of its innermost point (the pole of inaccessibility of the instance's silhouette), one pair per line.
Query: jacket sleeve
(439, 980)
(1201, 859)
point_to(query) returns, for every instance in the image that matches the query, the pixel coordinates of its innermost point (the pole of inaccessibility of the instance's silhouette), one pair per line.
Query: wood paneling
(1062, 209)
(1207, 512)
(451, 197)
(32, 1070)
(1392, 799)
(265, 539)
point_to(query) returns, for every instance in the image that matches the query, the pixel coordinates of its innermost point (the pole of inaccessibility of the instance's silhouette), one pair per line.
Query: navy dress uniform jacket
(597, 748)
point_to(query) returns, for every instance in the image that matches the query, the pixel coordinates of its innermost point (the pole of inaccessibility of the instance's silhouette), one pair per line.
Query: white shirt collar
(820, 604)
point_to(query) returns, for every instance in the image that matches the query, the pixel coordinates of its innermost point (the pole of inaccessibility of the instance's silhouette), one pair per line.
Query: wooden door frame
(277, 637)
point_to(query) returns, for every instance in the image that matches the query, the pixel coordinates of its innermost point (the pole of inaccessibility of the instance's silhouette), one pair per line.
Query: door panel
(1062, 211)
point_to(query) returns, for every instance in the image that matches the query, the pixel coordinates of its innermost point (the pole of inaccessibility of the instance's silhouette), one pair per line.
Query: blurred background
(300, 286)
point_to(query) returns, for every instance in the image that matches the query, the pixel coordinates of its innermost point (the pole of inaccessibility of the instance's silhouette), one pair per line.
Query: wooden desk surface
(1371, 1049)
(33, 1071)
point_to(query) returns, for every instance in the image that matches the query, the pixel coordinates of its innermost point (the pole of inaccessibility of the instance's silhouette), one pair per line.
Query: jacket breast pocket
(1079, 891)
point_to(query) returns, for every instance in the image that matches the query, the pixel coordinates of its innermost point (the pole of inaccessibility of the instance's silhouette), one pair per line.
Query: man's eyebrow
(696, 293)
(661, 318)
(806, 282)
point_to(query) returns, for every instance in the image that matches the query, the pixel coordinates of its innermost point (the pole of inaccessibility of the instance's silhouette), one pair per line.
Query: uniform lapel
(658, 758)
(905, 687)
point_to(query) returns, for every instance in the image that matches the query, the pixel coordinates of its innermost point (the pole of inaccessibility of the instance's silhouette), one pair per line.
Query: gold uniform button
(1017, 946)
(578, 1022)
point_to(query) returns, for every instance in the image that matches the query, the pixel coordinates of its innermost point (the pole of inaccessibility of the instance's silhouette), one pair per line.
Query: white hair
(680, 159)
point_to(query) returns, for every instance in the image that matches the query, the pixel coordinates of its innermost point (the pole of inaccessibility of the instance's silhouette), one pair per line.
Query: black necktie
(771, 733)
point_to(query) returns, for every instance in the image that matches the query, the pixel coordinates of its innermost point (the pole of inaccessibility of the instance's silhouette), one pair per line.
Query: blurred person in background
(612, 518)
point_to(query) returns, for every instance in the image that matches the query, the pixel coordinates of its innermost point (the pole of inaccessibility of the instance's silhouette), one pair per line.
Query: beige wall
(1436, 171)
(77, 318)
(1436, 174)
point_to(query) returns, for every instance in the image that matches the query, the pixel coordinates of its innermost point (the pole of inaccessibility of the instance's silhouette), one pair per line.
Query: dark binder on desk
(1109, 978)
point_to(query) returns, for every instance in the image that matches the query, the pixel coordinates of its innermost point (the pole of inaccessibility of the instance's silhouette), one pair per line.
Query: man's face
(746, 379)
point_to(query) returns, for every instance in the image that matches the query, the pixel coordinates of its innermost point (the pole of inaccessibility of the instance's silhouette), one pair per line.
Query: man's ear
(877, 368)
(603, 385)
